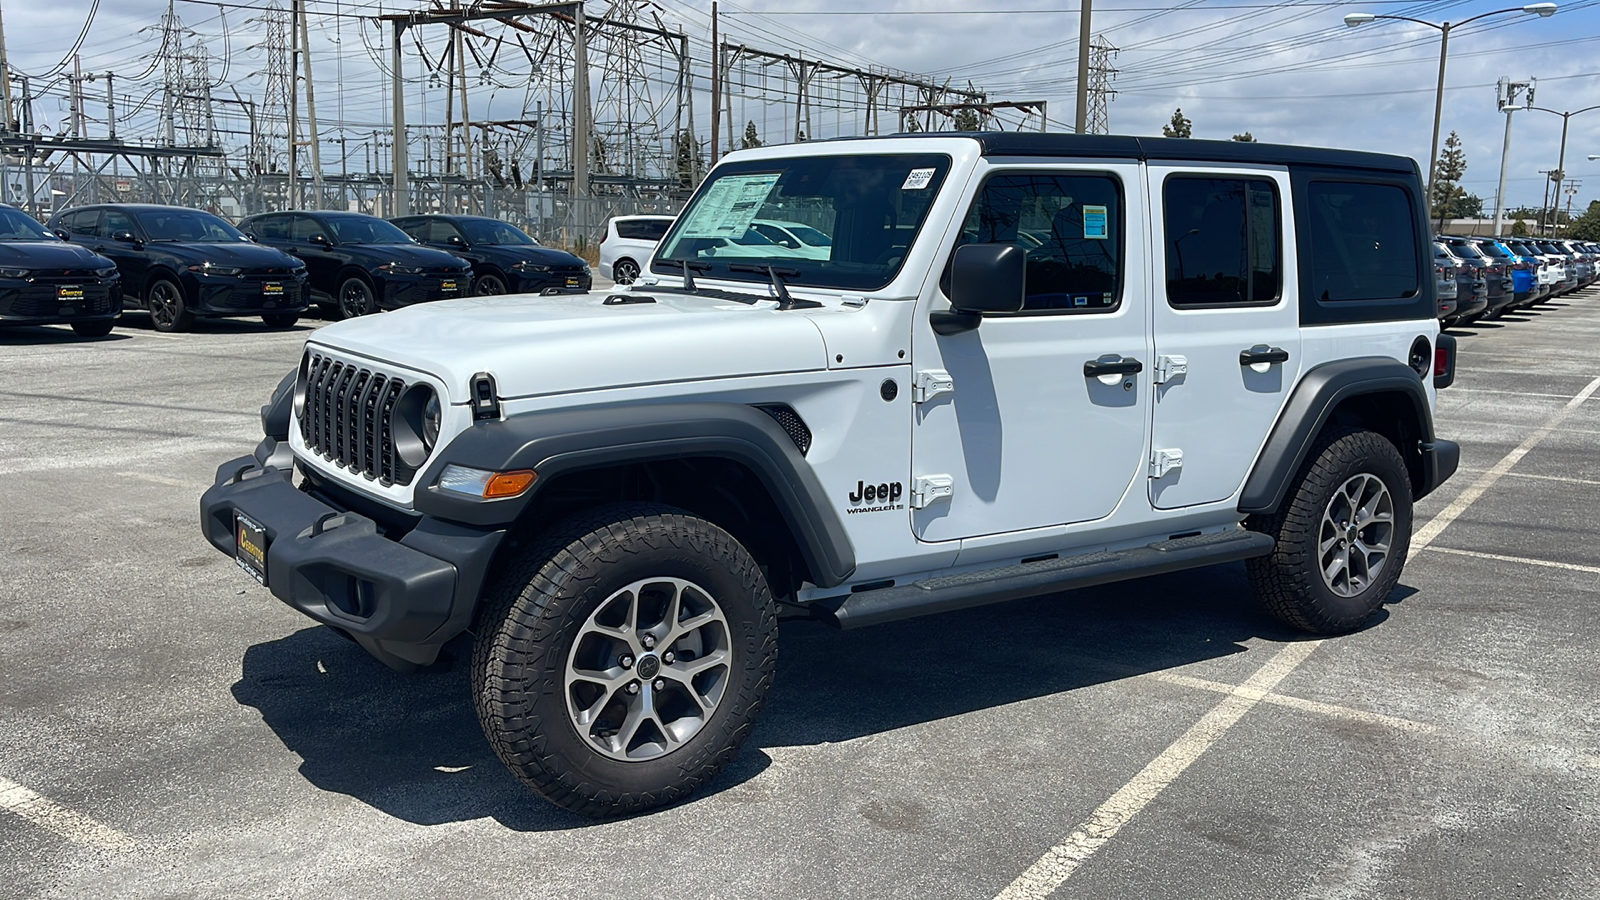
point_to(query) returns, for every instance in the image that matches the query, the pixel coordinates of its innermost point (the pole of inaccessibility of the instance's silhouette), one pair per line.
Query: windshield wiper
(785, 300)
(690, 266)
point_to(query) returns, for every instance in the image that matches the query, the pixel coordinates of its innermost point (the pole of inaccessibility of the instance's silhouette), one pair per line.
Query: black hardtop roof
(141, 207)
(452, 217)
(1115, 146)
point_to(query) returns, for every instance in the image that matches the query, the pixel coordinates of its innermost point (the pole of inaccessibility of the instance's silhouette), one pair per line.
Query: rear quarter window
(643, 229)
(1363, 242)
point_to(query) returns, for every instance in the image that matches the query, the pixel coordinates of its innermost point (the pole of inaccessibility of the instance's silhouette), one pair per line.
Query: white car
(629, 243)
(806, 241)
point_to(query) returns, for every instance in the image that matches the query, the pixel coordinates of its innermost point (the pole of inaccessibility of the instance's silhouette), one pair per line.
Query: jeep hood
(536, 345)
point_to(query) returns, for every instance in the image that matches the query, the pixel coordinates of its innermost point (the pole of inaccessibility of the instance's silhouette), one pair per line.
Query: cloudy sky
(1286, 72)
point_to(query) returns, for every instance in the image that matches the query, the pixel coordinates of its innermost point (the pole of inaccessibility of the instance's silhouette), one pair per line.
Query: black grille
(46, 301)
(347, 419)
(792, 425)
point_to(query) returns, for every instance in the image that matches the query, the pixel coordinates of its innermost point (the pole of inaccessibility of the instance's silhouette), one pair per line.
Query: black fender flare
(559, 442)
(1310, 406)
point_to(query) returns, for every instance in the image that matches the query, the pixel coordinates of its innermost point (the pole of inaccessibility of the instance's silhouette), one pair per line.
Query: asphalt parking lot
(167, 729)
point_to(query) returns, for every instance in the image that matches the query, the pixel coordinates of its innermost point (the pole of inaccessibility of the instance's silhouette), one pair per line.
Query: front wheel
(1342, 535)
(168, 311)
(625, 658)
(489, 286)
(356, 298)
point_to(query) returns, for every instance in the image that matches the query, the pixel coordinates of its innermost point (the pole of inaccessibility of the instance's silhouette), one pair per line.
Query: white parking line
(1561, 478)
(51, 816)
(1466, 498)
(1057, 865)
(1524, 560)
(1326, 709)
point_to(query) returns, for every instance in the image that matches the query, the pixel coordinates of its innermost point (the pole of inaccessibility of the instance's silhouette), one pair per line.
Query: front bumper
(400, 599)
(44, 303)
(225, 295)
(573, 281)
(396, 290)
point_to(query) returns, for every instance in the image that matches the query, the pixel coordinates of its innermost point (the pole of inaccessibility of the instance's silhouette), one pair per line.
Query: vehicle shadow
(137, 321)
(410, 746)
(50, 335)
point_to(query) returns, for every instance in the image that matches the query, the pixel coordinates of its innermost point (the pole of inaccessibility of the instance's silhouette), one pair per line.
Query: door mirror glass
(988, 278)
(319, 239)
(455, 240)
(125, 237)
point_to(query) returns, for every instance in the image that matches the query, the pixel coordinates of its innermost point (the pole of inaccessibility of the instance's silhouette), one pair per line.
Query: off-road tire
(98, 328)
(535, 613)
(1289, 581)
(280, 320)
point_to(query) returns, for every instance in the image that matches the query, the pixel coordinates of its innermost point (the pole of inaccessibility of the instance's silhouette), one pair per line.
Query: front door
(1012, 430)
(1227, 336)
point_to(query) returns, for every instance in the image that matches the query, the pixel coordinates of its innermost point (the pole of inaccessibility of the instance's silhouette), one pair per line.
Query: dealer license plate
(448, 286)
(69, 292)
(250, 546)
(271, 289)
(572, 281)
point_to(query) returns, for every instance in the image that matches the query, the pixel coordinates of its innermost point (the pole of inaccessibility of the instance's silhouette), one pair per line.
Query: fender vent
(792, 425)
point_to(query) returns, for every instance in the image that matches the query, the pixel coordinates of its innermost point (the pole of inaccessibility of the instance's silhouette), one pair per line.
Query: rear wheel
(1342, 535)
(624, 271)
(624, 660)
(280, 320)
(99, 328)
(168, 311)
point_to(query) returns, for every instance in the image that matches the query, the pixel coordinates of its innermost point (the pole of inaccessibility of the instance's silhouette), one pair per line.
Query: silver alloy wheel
(1355, 536)
(164, 303)
(648, 668)
(355, 298)
(626, 271)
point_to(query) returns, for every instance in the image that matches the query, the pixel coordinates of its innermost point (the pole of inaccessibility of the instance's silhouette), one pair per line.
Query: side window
(1069, 228)
(655, 229)
(115, 223)
(304, 228)
(272, 228)
(1363, 242)
(439, 232)
(1222, 242)
(417, 229)
(85, 222)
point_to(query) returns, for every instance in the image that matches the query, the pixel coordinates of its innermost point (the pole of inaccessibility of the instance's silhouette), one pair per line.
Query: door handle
(1111, 364)
(1261, 353)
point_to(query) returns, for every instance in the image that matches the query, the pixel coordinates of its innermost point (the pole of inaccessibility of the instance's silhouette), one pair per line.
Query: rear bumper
(1439, 462)
(401, 599)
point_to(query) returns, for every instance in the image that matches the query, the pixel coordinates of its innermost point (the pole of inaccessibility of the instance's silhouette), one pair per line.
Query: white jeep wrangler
(1027, 363)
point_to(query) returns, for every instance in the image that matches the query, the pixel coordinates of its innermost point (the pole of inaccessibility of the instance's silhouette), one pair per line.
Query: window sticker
(1094, 222)
(729, 205)
(918, 179)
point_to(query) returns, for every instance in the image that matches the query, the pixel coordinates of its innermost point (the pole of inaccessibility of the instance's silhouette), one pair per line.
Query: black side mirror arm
(954, 322)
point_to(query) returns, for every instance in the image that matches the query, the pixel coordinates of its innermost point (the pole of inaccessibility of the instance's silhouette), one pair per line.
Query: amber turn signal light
(508, 484)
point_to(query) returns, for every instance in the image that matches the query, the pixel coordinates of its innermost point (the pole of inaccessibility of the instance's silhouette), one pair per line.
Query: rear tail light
(1444, 362)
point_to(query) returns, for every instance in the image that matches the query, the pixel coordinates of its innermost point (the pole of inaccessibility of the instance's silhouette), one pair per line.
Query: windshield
(868, 208)
(187, 225)
(366, 230)
(16, 225)
(1465, 251)
(1492, 250)
(488, 231)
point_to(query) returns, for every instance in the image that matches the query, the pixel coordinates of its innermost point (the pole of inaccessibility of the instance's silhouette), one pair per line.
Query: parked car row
(630, 242)
(93, 262)
(1482, 277)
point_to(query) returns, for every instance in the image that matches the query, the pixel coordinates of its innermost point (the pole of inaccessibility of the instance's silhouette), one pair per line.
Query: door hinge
(1164, 461)
(931, 383)
(1171, 367)
(928, 489)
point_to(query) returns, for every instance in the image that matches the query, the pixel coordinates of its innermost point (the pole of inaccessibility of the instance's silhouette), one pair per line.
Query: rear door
(1227, 326)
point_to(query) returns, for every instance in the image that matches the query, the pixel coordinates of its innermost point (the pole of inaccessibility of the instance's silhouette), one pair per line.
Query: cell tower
(1100, 91)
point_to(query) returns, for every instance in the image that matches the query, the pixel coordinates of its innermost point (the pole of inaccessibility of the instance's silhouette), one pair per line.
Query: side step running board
(951, 592)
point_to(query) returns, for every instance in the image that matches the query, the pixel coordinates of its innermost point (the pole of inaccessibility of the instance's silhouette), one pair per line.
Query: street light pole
(1561, 164)
(1544, 10)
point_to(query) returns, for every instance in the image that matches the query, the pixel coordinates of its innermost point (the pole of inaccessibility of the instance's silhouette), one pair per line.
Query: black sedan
(44, 281)
(182, 264)
(505, 260)
(360, 264)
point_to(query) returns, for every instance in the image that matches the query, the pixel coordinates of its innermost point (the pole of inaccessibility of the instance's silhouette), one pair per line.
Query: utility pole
(397, 152)
(311, 109)
(1508, 91)
(581, 126)
(294, 103)
(1083, 68)
(1572, 191)
(716, 83)
(8, 124)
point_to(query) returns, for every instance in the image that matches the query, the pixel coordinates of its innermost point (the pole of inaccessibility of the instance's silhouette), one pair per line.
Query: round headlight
(410, 429)
(432, 418)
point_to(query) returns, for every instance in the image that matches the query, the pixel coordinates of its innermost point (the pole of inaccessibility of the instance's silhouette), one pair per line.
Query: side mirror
(983, 278)
(59, 232)
(456, 241)
(320, 240)
(124, 237)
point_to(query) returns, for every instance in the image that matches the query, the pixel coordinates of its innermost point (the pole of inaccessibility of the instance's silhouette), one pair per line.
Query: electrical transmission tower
(273, 124)
(1100, 91)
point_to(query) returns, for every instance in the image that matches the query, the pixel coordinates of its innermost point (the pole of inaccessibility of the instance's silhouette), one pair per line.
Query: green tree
(1180, 127)
(751, 138)
(1447, 194)
(1246, 138)
(968, 120)
(1587, 226)
(1519, 228)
